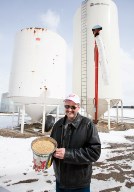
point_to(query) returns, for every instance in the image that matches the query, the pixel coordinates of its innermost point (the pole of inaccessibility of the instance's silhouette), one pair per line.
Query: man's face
(71, 109)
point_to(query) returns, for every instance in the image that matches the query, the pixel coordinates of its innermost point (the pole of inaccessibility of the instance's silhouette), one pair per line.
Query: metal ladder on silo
(84, 56)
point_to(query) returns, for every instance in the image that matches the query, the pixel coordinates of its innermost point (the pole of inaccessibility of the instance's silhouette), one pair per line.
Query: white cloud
(51, 20)
(127, 68)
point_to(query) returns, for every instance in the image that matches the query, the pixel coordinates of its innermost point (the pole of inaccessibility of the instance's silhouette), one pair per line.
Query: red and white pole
(96, 59)
(96, 31)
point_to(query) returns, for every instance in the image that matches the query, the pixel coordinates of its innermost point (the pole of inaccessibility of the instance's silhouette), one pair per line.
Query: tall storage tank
(92, 13)
(38, 71)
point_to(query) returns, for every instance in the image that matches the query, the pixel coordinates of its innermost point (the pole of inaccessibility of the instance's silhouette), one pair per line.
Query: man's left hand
(59, 153)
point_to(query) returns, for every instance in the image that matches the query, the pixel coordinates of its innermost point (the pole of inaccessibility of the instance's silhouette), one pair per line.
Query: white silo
(96, 13)
(38, 71)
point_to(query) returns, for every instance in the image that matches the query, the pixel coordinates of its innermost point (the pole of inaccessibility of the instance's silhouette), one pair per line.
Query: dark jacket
(82, 147)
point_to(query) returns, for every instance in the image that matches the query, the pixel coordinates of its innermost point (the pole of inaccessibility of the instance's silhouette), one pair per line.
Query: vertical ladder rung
(84, 54)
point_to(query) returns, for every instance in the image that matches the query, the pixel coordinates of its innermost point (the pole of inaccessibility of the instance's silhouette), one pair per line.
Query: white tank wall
(105, 14)
(39, 61)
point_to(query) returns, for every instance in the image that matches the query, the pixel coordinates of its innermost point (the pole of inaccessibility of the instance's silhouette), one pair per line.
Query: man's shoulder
(60, 121)
(86, 119)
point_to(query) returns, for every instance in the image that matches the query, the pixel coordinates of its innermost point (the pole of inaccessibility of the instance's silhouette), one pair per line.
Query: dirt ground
(35, 130)
(118, 171)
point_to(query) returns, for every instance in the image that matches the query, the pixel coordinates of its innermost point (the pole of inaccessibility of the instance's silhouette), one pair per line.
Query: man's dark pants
(87, 189)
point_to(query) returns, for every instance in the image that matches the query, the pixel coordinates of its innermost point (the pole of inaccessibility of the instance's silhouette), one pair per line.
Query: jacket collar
(76, 121)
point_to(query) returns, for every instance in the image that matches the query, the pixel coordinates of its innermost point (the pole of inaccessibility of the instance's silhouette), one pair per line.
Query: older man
(78, 146)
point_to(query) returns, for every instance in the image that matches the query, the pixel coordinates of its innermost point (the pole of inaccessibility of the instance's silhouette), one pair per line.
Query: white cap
(73, 97)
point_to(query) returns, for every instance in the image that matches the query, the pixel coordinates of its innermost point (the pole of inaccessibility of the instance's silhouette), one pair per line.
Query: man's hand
(59, 153)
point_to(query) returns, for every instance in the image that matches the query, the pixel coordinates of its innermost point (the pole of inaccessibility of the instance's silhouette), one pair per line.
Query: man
(78, 146)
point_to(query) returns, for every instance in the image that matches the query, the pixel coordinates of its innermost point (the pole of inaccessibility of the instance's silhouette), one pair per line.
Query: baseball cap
(73, 97)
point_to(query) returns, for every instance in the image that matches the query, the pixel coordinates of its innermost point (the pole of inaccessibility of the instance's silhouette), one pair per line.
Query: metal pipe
(18, 115)
(43, 118)
(13, 117)
(108, 114)
(96, 81)
(22, 120)
(117, 113)
(44, 111)
(96, 30)
(57, 113)
(121, 111)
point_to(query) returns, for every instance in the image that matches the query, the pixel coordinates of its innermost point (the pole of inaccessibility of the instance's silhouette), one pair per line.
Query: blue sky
(58, 16)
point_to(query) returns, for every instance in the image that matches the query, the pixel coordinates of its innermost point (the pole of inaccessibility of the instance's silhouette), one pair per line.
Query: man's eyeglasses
(70, 107)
